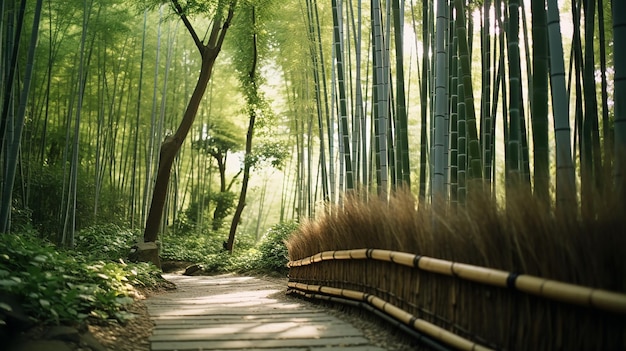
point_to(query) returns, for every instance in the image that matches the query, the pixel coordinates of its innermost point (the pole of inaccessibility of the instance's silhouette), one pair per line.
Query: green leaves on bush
(274, 255)
(105, 242)
(191, 248)
(64, 286)
(269, 256)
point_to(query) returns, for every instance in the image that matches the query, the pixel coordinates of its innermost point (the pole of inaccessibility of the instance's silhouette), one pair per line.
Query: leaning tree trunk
(171, 145)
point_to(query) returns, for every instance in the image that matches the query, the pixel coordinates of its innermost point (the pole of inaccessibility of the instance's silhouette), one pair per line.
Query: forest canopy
(494, 96)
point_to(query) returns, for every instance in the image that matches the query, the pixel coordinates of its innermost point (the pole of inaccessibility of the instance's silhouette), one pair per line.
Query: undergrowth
(56, 286)
(268, 256)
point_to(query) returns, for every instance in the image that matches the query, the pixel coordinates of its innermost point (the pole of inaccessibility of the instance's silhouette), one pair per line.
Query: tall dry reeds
(526, 237)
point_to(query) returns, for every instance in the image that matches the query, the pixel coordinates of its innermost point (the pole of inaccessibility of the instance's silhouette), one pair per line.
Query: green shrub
(245, 261)
(273, 252)
(217, 262)
(103, 242)
(191, 248)
(43, 211)
(65, 286)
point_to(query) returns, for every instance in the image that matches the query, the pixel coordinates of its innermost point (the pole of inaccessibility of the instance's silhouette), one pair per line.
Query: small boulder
(194, 269)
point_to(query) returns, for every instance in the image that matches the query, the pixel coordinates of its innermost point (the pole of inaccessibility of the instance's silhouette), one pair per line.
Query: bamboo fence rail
(426, 293)
(397, 313)
(550, 289)
(416, 335)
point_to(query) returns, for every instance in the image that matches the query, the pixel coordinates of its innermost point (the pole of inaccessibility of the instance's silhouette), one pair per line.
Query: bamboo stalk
(420, 325)
(550, 289)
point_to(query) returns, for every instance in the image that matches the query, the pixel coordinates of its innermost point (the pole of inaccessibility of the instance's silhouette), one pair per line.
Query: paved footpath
(228, 312)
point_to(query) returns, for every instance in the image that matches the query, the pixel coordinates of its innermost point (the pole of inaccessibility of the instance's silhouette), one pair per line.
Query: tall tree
(222, 139)
(222, 15)
(251, 47)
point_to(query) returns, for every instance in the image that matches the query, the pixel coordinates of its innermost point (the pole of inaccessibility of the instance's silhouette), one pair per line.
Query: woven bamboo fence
(464, 306)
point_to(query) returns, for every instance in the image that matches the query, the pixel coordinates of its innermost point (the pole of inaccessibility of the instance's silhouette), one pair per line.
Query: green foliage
(244, 261)
(224, 205)
(107, 241)
(270, 152)
(45, 210)
(64, 286)
(272, 248)
(223, 136)
(269, 255)
(191, 248)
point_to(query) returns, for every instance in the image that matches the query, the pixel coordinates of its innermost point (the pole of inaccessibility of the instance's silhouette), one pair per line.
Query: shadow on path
(229, 312)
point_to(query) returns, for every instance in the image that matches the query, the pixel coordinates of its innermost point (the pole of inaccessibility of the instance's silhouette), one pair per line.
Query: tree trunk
(244, 184)
(247, 163)
(170, 147)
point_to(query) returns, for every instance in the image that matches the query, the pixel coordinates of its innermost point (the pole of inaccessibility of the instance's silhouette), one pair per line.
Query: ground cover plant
(56, 286)
(267, 256)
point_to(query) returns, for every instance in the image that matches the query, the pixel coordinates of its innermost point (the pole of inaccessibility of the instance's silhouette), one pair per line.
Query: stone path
(229, 312)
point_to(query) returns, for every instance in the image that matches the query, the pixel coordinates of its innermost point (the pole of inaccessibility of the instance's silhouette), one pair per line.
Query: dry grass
(526, 238)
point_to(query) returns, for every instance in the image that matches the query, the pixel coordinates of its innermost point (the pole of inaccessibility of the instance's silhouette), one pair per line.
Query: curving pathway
(229, 312)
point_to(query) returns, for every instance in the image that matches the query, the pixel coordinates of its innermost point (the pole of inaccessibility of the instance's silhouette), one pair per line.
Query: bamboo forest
(455, 170)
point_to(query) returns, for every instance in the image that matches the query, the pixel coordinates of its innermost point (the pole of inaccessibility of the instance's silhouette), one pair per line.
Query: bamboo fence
(465, 306)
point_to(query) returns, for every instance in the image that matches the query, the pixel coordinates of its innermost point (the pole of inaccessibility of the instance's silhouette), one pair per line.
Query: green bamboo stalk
(513, 157)
(441, 103)
(619, 60)
(539, 115)
(424, 96)
(454, 138)
(486, 120)
(462, 143)
(475, 158)
(590, 93)
(402, 139)
(565, 173)
(381, 100)
(343, 106)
